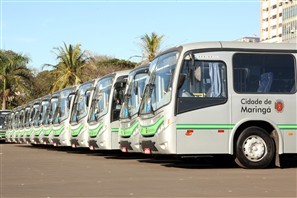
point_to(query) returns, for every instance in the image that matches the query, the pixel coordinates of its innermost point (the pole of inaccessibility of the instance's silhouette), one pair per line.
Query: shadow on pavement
(190, 163)
(127, 156)
(287, 161)
(3, 142)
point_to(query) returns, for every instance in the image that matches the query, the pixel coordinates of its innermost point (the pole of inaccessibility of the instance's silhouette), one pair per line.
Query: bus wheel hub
(254, 148)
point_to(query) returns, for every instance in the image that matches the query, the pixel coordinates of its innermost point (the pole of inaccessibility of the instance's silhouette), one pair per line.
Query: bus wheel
(254, 148)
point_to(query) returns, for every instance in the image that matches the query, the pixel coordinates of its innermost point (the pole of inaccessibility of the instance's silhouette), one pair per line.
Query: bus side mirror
(88, 94)
(136, 87)
(88, 97)
(69, 97)
(181, 80)
(68, 101)
(87, 100)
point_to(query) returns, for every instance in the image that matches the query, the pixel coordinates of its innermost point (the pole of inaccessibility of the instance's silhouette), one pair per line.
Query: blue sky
(114, 28)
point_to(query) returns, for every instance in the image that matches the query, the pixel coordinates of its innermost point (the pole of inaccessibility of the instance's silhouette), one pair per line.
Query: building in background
(249, 39)
(271, 21)
(278, 21)
(289, 32)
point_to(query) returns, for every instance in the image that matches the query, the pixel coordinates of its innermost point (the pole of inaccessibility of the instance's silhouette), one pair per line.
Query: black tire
(254, 148)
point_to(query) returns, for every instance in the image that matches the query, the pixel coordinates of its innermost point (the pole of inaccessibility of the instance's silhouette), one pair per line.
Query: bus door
(203, 110)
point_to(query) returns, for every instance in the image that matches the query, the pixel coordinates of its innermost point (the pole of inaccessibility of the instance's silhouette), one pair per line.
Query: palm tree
(69, 69)
(14, 75)
(151, 45)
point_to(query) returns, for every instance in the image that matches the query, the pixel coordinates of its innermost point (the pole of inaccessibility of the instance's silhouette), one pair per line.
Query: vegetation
(43, 83)
(15, 78)
(151, 45)
(68, 71)
(107, 65)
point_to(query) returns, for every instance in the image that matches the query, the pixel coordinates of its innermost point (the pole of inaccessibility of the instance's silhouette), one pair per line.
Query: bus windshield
(62, 109)
(99, 106)
(80, 108)
(49, 111)
(40, 113)
(33, 113)
(133, 95)
(27, 116)
(22, 118)
(159, 89)
(16, 120)
(3, 119)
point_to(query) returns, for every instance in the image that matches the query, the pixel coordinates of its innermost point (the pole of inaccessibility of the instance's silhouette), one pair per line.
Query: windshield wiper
(151, 87)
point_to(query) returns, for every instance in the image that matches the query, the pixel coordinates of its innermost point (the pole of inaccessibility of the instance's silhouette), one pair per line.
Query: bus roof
(235, 46)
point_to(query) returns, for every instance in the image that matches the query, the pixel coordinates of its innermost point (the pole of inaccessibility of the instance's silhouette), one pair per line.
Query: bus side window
(265, 82)
(204, 79)
(263, 73)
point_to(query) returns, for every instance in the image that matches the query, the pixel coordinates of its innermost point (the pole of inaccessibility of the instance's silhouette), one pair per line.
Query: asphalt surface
(29, 171)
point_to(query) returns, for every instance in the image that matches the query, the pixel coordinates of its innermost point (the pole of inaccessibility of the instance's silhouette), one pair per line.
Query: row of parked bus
(199, 99)
(86, 115)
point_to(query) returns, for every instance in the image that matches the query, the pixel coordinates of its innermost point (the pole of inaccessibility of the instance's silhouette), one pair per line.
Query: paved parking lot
(28, 171)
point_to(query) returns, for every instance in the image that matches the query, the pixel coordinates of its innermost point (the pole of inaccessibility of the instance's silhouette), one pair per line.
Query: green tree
(150, 45)
(106, 65)
(43, 82)
(15, 77)
(68, 71)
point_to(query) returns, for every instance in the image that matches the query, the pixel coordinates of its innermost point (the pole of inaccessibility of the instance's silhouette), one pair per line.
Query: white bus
(79, 114)
(222, 98)
(16, 124)
(20, 134)
(48, 118)
(28, 122)
(103, 119)
(37, 121)
(9, 132)
(33, 113)
(129, 133)
(60, 135)
(4, 115)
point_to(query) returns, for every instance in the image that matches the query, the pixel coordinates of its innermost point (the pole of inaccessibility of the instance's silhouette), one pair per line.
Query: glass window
(27, 116)
(158, 92)
(202, 83)
(263, 73)
(63, 107)
(47, 119)
(100, 101)
(133, 95)
(80, 109)
(203, 79)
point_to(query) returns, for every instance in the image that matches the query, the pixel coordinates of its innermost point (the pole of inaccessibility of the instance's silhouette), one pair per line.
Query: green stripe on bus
(127, 132)
(28, 133)
(75, 132)
(205, 126)
(151, 129)
(94, 132)
(115, 130)
(48, 131)
(58, 131)
(38, 131)
(22, 132)
(287, 126)
(226, 126)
